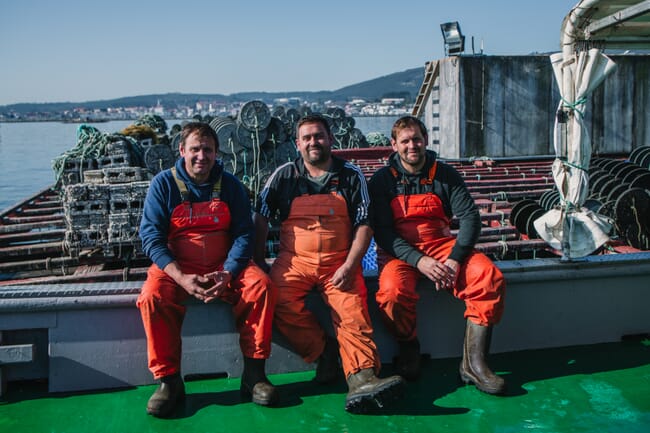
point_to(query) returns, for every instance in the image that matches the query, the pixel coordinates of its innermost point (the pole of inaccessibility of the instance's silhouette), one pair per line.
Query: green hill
(400, 84)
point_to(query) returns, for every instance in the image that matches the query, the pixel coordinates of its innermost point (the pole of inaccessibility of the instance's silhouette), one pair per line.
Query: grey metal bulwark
(95, 337)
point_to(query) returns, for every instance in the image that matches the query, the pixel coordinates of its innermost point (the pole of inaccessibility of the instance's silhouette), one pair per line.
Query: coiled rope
(92, 144)
(154, 121)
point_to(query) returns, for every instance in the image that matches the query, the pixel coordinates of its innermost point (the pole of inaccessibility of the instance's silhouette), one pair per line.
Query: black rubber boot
(367, 392)
(409, 361)
(166, 397)
(474, 368)
(328, 368)
(255, 385)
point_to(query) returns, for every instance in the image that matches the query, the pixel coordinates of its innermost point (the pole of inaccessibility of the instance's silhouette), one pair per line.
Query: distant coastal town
(389, 95)
(357, 107)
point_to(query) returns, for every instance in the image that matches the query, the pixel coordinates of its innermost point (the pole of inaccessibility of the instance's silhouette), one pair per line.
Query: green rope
(154, 121)
(569, 206)
(570, 164)
(610, 249)
(92, 144)
(574, 105)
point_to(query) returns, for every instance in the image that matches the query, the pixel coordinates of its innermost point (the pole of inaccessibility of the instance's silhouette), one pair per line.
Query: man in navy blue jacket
(197, 229)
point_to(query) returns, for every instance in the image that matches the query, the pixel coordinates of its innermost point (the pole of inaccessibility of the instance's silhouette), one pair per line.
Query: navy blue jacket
(163, 196)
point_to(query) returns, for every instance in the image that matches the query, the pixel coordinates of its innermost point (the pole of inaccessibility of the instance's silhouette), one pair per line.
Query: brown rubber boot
(166, 397)
(409, 361)
(474, 368)
(328, 368)
(367, 392)
(255, 385)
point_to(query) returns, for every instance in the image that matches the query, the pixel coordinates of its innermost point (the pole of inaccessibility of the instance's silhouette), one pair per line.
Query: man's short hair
(202, 129)
(313, 118)
(408, 122)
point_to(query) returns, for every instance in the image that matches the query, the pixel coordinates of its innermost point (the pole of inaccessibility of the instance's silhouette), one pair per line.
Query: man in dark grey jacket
(413, 201)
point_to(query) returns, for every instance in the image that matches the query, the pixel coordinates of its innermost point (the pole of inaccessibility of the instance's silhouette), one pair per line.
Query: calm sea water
(27, 151)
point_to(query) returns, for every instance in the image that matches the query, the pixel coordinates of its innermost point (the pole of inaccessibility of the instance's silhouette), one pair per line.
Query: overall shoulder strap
(216, 188)
(427, 182)
(185, 194)
(431, 175)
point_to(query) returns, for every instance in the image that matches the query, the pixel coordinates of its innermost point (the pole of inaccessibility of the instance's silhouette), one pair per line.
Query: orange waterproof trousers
(480, 284)
(161, 305)
(315, 239)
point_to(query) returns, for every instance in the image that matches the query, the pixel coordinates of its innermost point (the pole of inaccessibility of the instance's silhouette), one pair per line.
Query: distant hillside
(400, 84)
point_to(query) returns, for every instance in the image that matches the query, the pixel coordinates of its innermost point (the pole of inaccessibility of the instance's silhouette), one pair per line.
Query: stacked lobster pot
(86, 210)
(104, 182)
(256, 141)
(346, 136)
(102, 213)
(73, 169)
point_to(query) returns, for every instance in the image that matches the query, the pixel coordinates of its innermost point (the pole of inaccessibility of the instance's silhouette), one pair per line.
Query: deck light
(454, 39)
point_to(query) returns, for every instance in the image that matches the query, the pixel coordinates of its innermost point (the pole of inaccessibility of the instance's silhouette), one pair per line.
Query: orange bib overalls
(314, 242)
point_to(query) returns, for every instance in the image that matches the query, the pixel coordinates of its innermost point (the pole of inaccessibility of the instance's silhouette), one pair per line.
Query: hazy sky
(73, 50)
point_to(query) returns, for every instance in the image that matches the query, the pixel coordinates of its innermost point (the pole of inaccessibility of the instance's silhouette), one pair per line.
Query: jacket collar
(395, 163)
(215, 173)
(337, 165)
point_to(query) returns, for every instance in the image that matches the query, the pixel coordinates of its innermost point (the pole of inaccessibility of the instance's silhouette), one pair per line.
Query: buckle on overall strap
(432, 174)
(395, 175)
(400, 185)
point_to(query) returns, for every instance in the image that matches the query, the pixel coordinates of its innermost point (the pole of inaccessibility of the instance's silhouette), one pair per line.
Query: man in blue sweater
(197, 229)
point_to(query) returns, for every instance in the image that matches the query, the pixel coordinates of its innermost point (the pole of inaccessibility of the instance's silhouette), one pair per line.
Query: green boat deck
(595, 388)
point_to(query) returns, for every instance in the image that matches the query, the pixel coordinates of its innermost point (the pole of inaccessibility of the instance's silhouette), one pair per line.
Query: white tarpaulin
(571, 228)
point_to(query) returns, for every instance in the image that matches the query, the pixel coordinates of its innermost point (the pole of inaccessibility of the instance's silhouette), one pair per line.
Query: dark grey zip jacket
(448, 185)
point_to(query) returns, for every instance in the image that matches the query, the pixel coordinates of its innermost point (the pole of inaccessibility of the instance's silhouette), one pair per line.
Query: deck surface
(596, 388)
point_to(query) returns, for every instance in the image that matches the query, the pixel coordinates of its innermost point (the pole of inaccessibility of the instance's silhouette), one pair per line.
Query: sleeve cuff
(460, 253)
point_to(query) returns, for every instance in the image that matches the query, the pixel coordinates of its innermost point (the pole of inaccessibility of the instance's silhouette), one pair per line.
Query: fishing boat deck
(568, 368)
(34, 250)
(595, 388)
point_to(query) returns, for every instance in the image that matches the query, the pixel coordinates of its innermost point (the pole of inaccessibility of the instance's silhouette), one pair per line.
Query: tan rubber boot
(474, 368)
(255, 385)
(367, 392)
(166, 397)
